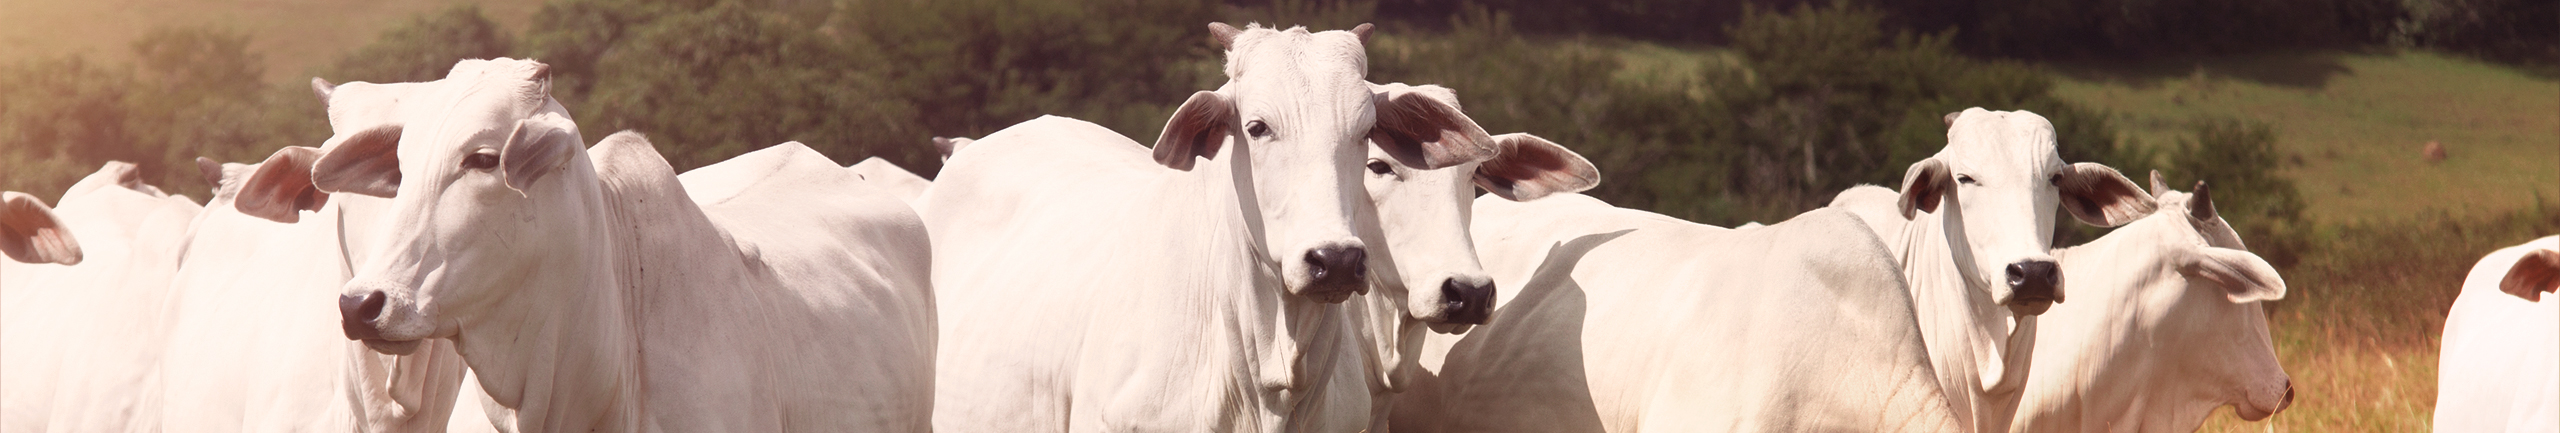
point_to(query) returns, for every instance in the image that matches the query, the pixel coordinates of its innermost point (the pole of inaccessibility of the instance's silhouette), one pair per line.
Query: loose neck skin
(1980, 348)
(1288, 339)
(572, 364)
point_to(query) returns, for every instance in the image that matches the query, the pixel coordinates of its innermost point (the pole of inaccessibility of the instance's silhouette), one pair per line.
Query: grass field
(2353, 124)
(294, 35)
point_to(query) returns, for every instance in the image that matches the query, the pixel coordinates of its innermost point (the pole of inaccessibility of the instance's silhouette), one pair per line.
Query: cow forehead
(1262, 52)
(2000, 141)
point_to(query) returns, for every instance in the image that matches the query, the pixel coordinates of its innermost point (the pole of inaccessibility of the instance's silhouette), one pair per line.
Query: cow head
(1297, 111)
(475, 211)
(1998, 181)
(30, 233)
(1419, 245)
(2196, 288)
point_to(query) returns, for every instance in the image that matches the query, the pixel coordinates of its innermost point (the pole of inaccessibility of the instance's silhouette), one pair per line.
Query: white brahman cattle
(254, 344)
(906, 185)
(1980, 268)
(1422, 260)
(81, 343)
(1088, 285)
(588, 292)
(1623, 320)
(2500, 369)
(2166, 322)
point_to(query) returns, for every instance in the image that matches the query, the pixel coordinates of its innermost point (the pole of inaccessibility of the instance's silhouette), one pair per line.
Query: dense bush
(714, 83)
(189, 92)
(971, 67)
(425, 48)
(2237, 159)
(2513, 31)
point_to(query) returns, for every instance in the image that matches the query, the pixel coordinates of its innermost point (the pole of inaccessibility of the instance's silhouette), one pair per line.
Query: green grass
(2352, 124)
(295, 36)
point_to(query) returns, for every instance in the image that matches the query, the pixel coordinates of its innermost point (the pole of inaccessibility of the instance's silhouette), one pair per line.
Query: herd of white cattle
(1300, 250)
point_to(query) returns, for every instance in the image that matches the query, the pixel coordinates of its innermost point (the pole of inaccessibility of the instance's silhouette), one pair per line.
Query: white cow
(1625, 320)
(254, 342)
(2500, 369)
(79, 344)
(1086, 287)
(2166, 323)
(30, 233)
(1979, 269)
(589, 292)
(906, 185)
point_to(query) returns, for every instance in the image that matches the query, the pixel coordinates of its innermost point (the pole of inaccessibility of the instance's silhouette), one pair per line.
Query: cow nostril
(1466, 303)
(1338, 264)
(356, 314)
(2017, 275)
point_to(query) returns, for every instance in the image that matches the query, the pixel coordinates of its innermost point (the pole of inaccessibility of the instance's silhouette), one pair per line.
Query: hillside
(2353, 125)
(294, 35)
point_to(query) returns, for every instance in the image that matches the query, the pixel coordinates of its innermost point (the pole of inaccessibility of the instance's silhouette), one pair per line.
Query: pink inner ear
(2535, 273)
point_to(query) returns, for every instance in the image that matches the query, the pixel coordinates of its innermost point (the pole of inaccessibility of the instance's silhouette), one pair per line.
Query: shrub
(424, 48)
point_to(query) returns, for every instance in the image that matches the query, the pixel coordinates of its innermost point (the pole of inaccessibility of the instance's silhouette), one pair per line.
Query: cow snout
(1338, 266)
(1467, 302)
(2034, 284)
(356, 314)
(2288, 398)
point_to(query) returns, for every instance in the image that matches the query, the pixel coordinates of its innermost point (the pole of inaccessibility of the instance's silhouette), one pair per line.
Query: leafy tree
(2237, 159)
(971, 67)
(425, 48)
(718, 82)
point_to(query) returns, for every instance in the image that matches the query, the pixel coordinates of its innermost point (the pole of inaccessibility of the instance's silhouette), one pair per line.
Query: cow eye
(482, 160)
(1380, 167)
(1964, 179)
(1257, 129)
(2056, 180)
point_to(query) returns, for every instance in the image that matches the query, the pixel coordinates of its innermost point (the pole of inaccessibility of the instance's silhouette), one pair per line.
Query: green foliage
(2514, 31)
(425, 48)
(2237, 159)
(2035, 28)
(971, 67)
(190, 92)
(715, 83)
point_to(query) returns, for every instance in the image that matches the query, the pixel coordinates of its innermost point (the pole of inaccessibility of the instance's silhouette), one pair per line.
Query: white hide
(2166, 323)
(1967, 221)
(2500, 368)
(255, 344)
(1622, 320)
(906, 185)
(1140, 298)
(81, 343)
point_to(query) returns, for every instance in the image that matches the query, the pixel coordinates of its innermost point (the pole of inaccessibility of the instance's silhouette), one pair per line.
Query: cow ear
(211, 171)
(366, 163)
(1362, 32)
(2100, 196)
(29, 232)
(1529, 167)
(1926, 186)
(282, 187)
(1196, 130)
(2537, 272)
(2243, 276)
(539, 146)
(1422, 127)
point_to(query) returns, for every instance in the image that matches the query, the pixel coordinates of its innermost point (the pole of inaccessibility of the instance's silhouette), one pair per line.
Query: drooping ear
(282, 187)
(1362, 32)
(1225, 34)
(2243, 276)
(322, 88)
(2200, 204)
(2158, 187)
(1530, 167)
(1421, 127)
(539, 146)
(2537, 272)
(1927, 185)
(1197, 129)
(2098, 195)
(366, 163)
(29, 232)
